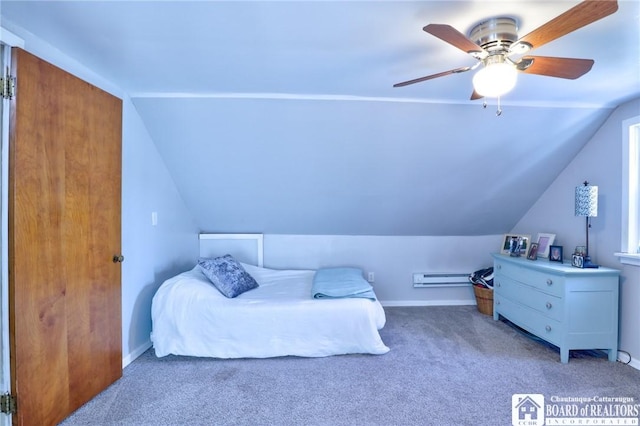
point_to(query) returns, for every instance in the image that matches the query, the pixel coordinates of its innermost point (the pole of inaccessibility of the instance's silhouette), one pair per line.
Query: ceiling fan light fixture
(495, 79)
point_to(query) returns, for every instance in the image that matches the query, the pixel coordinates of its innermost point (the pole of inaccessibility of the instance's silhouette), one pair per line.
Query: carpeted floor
(447, 366)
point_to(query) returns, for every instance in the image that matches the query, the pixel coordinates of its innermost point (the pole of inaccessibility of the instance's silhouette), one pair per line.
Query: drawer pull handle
(549, 305)
(549, 281)
(499, 285)
(499, 266)
(497, 302)
(548, 328)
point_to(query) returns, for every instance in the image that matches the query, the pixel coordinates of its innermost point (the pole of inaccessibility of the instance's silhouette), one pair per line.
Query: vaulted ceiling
(281, 117)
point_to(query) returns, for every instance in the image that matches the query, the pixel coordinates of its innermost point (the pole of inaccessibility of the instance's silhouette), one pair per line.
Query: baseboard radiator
(427, 280)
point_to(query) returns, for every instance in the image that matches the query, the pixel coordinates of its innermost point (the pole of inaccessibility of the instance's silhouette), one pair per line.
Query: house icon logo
(527, 410)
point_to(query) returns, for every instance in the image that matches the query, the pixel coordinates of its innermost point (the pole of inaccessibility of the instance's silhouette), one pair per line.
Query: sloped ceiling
(280, 117)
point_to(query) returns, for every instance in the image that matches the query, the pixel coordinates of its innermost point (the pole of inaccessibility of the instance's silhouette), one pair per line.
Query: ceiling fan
(495, 44)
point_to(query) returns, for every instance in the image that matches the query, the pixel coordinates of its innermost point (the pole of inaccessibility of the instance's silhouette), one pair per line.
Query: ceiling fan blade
(432, 76)
(570, 68)
(455, 38)
(578, 16)
(475, 96)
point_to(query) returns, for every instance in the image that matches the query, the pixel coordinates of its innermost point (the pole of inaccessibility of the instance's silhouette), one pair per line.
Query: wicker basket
(484, 299)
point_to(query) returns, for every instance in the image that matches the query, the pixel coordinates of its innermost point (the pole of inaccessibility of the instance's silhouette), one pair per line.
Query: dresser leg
(613, 355)
(564, 355)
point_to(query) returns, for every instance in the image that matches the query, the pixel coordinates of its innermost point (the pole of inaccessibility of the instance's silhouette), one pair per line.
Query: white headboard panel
(247, 248)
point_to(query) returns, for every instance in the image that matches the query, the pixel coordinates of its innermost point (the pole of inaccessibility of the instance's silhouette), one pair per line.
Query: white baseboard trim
(460, 302)
(135, 353)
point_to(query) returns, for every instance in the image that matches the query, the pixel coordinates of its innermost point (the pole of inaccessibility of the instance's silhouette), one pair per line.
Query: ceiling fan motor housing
(495, 34)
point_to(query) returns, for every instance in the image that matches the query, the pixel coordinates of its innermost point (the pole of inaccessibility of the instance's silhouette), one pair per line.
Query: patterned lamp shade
(587, 200)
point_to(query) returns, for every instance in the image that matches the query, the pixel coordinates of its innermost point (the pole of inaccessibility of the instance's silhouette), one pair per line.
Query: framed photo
(555, 254)
(533, 252)
(515, 244)
(544, 243)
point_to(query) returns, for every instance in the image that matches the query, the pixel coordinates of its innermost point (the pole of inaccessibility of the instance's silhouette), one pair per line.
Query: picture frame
(577, 260)
(515, 244)
(544, 243)
(555, 254)
(533, 252)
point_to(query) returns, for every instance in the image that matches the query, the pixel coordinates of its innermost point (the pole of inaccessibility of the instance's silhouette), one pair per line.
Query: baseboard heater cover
(428, 280)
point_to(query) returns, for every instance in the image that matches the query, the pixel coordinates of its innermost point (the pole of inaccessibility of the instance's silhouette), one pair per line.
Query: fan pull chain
(498, 111)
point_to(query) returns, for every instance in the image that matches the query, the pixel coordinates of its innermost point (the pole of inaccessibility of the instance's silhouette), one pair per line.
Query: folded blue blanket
(331, 283)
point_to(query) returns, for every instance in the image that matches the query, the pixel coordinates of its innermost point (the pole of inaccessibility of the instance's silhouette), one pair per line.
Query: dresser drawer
(542, 280)
(546, 304)
(531, 320)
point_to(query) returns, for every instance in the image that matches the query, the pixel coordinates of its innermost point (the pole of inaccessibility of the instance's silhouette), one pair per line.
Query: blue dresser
(569, 307)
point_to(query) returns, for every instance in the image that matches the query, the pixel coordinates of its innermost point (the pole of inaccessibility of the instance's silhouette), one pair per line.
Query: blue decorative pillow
(227, 275)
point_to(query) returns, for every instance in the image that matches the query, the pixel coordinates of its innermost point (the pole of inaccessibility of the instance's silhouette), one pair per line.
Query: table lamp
(587, 206)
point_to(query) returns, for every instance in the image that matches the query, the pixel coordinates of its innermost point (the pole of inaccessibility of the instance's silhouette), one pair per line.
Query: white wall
(392, 259)
(152, 253)
(599, 162)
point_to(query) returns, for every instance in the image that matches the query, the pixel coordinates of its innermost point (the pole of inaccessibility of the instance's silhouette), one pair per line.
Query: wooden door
(64, 230)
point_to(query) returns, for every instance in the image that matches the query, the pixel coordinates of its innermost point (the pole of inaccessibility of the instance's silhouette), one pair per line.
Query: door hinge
(8, 84)
(7, 404)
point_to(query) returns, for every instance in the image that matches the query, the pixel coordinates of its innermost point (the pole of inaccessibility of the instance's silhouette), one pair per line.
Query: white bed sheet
(191, 317)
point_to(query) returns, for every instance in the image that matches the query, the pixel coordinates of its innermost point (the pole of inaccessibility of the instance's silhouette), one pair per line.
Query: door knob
(118, 258)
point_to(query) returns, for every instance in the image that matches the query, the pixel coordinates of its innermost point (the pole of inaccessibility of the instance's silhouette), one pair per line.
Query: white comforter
(191, 317)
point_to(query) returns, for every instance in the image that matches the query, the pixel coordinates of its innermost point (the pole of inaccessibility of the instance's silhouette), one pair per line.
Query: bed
(279, 317)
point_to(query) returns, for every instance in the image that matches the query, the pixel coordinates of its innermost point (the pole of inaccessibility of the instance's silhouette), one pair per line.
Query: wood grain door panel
(64, 228)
